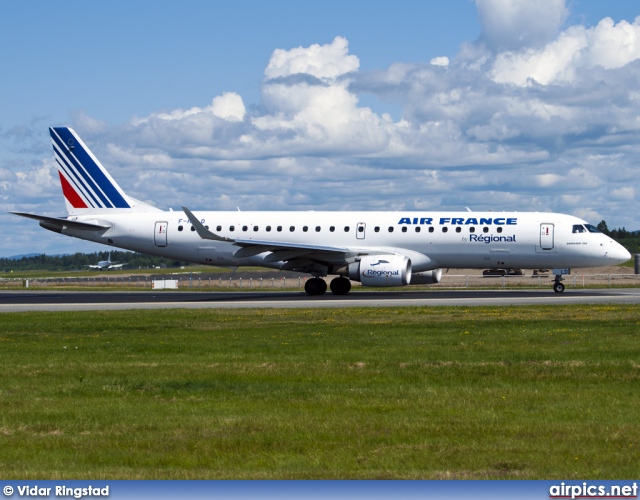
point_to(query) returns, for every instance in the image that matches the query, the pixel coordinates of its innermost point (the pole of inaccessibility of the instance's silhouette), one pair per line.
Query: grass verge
(509, 392)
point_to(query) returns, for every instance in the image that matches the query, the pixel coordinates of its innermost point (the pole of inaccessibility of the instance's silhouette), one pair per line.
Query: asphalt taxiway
(16, 301)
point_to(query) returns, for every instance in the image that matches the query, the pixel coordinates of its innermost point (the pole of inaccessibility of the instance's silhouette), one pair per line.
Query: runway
(16, 301)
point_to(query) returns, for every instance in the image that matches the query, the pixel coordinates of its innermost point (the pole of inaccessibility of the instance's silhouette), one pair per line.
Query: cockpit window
(592, 229)
(579, 228)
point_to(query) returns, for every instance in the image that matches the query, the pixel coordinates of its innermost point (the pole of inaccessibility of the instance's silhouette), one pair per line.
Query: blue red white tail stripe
(70, 193)
(85, 182)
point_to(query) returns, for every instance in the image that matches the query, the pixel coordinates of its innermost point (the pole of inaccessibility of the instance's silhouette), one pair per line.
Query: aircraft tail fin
(86, 185)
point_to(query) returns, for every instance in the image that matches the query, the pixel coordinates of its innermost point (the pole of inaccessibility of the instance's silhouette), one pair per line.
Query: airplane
(378, 249)
(106, 265)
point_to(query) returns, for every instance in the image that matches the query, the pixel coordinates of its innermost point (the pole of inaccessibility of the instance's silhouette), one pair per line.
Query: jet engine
(426, 277)
(381, 270)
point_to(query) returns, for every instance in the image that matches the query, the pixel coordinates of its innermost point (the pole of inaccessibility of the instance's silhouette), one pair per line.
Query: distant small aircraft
(106, 265)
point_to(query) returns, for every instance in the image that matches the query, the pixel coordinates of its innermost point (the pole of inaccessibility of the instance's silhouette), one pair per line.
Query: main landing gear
(340, 286)
(318, 286)
(315, 286)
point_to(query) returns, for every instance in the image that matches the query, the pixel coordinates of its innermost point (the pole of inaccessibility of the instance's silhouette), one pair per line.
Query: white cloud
(322, 61)
(587, 214)
(513, 24)
(624, 193)
(440, 61)
(548, 180)
(36, 181)
(613, 45)
(577, 49)
(228, 106)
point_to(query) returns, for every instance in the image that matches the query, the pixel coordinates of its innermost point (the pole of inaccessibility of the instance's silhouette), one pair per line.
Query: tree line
(80, 261)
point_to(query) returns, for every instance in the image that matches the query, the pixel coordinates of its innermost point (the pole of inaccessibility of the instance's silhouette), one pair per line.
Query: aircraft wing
(116, 266)
(57, 223)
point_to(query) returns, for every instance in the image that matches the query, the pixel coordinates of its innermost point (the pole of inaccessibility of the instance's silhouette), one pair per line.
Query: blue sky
(491, 104)
(117, 59)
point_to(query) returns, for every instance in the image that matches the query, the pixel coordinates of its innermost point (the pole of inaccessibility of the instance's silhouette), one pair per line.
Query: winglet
(202, 231)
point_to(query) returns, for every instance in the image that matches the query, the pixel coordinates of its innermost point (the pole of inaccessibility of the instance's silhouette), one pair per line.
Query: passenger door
(160, 234)
(546, 236)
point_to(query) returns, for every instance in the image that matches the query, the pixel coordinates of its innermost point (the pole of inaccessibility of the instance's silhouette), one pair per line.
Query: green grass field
(508, 392)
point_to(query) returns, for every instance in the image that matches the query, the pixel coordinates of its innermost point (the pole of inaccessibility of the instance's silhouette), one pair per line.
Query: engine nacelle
(427, 277)
(381, 270)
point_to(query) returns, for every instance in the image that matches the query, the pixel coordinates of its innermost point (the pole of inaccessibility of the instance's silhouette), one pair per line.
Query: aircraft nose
(618, 253)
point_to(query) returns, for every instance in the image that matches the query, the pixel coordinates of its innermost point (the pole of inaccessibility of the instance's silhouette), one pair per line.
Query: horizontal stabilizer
(56, 223)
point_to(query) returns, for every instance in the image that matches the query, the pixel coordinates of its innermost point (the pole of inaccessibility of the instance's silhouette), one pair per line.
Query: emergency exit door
(160, 234)
(360, 230)
(546, 236)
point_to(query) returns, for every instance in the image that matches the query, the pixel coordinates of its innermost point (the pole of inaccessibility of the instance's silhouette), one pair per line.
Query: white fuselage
(432, 240)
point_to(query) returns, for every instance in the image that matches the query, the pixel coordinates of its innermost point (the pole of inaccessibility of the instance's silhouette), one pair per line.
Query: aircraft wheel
(315, 286)
(558, 287)
(340, 286)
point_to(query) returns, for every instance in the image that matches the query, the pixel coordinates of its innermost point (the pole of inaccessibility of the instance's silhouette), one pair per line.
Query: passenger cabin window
(391, 229)
(268, 228)
(377, 229)
(499, 230)
(255, 228)
(244, 228)
(445, 229)
(332, 229)
(417, 229)
(232, 228)
(404, 229)
(193, 228)
(485, 229)
(279, 228)
(305, 228)
(472, 229)
(317, 229)
(292, 228)
(458, 229)
(361, 229)
(218, 228)
(346, 229)
(180, 228)
(431, 230)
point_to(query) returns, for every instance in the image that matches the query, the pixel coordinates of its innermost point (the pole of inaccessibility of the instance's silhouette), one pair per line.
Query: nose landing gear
(558, 286)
